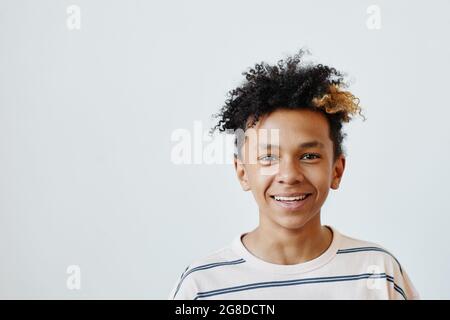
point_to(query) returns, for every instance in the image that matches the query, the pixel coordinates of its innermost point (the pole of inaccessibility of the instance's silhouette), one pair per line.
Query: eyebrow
(304, 145)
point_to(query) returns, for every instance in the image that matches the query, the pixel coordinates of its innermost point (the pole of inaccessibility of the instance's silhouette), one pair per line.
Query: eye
(267, 158)
(314, 155)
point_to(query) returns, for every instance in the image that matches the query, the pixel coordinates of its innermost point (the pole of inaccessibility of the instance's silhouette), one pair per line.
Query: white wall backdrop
(86, 118)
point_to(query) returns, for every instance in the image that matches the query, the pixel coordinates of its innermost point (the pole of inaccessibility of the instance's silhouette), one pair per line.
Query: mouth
(291, 202)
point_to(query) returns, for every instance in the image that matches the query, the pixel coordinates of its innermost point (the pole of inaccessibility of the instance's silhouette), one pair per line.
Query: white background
(86, 118)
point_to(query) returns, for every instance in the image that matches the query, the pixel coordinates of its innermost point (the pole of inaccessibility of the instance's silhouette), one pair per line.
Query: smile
(292, 203)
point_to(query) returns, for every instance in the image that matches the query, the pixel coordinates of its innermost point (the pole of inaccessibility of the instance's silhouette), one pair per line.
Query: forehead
(291, 126)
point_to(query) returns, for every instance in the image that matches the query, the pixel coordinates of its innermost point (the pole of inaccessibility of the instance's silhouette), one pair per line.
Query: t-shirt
(349, 269)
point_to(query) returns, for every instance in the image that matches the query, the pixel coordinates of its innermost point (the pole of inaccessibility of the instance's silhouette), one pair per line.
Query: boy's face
(289, 166)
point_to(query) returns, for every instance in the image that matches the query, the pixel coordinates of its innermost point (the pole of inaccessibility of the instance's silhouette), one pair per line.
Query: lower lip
(291, 205)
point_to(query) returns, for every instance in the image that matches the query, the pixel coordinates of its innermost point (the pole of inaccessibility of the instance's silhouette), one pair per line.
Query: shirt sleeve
(185, 288)
(409, 288)
(402, 286)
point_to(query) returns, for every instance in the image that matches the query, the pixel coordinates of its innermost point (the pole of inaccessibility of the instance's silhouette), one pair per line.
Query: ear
(241, 173)
(338, 171)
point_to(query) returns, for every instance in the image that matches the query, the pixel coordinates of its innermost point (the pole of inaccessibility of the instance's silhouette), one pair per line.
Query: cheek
(321, 180)
(259, 183)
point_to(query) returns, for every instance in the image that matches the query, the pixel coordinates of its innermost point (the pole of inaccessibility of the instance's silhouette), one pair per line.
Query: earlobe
(338, 172)
(335, 185)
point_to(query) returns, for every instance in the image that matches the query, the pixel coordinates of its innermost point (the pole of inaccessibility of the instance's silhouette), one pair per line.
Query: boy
(289, 168)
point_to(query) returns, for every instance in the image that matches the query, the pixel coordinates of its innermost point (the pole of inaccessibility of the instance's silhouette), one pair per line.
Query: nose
(289, 171)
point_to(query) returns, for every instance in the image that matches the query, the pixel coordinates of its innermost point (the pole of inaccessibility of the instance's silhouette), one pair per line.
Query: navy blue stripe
(282, 282)
(258, 285)
(184, 272)
(359, 249)
(204, 267)
(397, 287)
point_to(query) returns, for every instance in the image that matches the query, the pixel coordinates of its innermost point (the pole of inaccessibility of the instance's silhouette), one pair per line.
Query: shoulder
(214, 260)
(375, 258)
(200, 270)
(369, 251)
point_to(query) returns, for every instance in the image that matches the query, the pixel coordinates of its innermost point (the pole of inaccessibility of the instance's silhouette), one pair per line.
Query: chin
(293, 222)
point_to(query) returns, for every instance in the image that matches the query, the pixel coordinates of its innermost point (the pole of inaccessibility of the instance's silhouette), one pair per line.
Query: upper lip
(290, 194)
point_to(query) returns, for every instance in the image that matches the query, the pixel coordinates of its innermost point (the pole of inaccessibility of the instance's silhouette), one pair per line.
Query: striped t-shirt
(349, 269)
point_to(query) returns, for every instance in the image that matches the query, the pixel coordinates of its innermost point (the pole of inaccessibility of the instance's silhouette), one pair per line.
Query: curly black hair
(290, 84)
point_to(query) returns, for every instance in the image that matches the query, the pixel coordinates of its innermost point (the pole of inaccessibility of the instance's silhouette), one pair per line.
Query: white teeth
(290, 198)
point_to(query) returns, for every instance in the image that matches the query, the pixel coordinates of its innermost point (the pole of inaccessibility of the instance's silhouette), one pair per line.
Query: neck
(276, 244)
